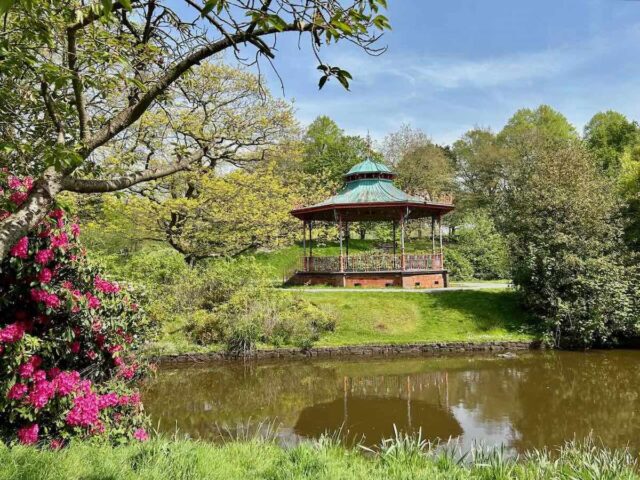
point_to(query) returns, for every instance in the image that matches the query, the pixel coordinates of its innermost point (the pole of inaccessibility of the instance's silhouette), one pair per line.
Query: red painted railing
(376, 262)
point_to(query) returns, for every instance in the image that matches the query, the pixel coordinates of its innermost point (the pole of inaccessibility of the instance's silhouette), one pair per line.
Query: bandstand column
(433, 234)
(402, 259)
(340, 235)
(304, 245)
(440, 232)
(310, 239)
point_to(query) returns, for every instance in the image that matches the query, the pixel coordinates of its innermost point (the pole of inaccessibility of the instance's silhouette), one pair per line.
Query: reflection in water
(535, 400)
(352, 416)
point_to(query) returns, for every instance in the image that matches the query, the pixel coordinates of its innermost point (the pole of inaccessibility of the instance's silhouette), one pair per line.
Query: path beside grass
(455, 287)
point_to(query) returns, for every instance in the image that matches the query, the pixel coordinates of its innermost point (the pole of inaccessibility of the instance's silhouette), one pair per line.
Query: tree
(527, 129)
(608, 135)
(480, 168)
(77, 78)
(565, 246)
(481, 246)
(329, 153)
(399, 143)
(427, 171)
(229, 215)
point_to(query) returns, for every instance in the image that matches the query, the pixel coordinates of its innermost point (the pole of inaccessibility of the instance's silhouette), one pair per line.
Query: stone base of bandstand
(396, 278)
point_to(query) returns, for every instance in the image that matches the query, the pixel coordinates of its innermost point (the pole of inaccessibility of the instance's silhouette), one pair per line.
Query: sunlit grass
(400, 458)
(377, 317)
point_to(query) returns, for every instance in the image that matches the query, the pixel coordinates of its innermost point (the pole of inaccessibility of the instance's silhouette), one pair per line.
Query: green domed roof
(368, 166)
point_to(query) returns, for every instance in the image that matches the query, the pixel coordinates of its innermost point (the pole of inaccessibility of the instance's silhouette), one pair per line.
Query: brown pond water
(538, 399)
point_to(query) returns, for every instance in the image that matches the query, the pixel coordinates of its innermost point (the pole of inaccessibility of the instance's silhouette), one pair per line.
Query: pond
(535, 400)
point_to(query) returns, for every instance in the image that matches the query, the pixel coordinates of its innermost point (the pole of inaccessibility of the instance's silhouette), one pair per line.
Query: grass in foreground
(392, 318)
(402, 458)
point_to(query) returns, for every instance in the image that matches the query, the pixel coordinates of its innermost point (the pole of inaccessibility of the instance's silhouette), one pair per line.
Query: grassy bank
(366, 318)
(188, 460)
(393, 318)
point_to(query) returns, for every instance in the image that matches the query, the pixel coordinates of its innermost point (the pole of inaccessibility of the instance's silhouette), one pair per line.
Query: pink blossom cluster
(93, 302)
(104, 286)
(28, 435)
(20, 189)
(43, 267)
(21, 248)
(44, 256)
(13, 332)
(51, 300)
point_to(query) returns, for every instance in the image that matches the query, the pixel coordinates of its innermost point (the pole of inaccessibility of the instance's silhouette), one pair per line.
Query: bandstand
(369, 195)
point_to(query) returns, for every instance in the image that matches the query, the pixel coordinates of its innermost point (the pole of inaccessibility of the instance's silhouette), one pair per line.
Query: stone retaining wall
(361, 350)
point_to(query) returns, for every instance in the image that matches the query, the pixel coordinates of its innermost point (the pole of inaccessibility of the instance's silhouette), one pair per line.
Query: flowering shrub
(68, 338)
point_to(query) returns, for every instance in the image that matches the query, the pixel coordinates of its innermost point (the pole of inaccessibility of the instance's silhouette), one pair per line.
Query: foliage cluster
(68, 338)
(566, 248)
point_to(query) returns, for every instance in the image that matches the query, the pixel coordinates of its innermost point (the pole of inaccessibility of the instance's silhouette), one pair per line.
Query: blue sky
(455, 64)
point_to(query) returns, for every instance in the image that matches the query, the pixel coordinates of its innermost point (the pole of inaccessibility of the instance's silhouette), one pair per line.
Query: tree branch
(76, 82)
(131, 114)
(83, 185)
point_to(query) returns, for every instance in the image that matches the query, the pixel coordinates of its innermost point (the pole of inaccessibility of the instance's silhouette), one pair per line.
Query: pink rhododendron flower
(141, 435)
(39, 376)
(29, 435)
(21, 249)
(56, 444)
(59, 241)
(92, 301)
(13, 332)
(75, 347)
(45, 275)
(128, 372)
(14, 182)
(51, 300)
(4, 214)
(27, 182)
(18, 198)
(44, 256)
(27, 369)
(41, 393)
(107, 400)
(18, 391)
(53, 373)
(85, 411)
(66, 382)
(75, 229)
(104, 286)
(57, 213)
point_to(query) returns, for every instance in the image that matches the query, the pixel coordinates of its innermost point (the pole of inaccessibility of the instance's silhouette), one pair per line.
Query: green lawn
(394, 318)
(379, 317)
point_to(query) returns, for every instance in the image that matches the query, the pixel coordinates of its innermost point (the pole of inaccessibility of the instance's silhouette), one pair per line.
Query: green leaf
(343, 27)
(323, 80)
(126, 4)
(6, 5)
(107, 5)
(277, 22)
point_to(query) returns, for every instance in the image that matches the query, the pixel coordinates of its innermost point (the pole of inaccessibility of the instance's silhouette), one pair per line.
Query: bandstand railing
(375, 262)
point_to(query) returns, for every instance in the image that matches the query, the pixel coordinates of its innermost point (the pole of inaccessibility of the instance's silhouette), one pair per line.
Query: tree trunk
(34, 209)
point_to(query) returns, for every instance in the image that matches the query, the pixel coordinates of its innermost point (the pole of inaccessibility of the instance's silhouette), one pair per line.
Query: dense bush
(567, 251)
(68, 338)
(478, 243)
(238, 307)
